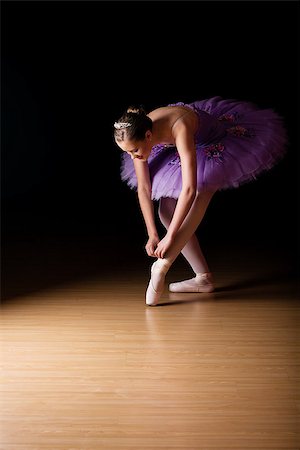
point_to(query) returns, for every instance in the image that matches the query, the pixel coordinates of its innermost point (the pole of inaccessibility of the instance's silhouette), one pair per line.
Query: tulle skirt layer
(236, 141)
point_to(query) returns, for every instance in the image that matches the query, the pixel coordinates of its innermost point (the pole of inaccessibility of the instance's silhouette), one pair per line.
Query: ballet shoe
(152, 295)
(200, 283)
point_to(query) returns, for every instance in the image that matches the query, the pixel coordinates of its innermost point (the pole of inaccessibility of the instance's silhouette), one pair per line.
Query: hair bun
(136, 110)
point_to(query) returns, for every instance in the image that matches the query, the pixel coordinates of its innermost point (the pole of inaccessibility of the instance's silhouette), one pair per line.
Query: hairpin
(119, 125)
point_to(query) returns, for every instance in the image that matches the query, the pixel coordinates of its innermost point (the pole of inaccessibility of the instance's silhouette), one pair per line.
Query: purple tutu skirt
(235, 142)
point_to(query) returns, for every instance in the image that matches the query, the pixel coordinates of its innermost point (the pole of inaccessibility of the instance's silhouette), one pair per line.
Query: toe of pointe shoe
(152, 296)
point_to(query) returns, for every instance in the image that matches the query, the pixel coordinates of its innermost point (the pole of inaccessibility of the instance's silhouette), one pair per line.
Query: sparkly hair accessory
(120, 125)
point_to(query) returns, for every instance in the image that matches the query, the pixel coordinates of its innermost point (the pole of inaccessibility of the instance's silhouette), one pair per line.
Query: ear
(148, 135)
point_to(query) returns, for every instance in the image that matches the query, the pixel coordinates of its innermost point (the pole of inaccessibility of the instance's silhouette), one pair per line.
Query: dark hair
(132, 125)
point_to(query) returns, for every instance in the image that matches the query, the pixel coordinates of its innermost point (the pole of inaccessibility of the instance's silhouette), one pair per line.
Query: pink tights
(186, 241)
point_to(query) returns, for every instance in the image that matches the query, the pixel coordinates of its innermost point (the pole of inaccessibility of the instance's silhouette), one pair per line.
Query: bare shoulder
(175, 115)
(160, 113)
(185, 122)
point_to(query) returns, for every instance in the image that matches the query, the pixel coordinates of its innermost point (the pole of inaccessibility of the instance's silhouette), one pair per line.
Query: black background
(69, 69)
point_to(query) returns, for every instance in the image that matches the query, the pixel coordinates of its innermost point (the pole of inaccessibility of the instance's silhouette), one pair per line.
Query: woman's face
(138, 149)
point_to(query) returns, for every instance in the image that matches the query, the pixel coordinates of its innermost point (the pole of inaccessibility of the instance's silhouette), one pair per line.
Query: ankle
(206, 275)
(162, 264)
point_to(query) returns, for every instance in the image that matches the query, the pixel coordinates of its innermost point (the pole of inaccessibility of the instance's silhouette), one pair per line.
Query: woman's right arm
(146, 204)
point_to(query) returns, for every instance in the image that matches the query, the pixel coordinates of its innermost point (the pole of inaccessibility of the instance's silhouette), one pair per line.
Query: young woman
(181, 154)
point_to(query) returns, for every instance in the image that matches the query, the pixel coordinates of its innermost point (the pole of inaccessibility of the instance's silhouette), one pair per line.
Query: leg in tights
(190, 224)
(183, 236)
(191, 251)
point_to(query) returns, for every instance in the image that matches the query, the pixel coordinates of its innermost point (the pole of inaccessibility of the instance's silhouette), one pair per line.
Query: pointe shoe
(200, 283)
(153, 296)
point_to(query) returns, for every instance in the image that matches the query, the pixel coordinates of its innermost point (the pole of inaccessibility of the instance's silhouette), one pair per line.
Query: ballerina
(181, 154)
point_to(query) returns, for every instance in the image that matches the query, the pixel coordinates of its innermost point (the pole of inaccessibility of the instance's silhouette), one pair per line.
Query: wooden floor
(86, 365)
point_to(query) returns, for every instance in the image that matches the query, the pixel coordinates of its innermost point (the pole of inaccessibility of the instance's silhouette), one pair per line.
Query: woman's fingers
(150, 251)
(154, 250)
(159, 253)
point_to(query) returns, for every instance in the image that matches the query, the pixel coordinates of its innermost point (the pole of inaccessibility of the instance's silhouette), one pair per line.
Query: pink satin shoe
(159, 268)
(201, 283)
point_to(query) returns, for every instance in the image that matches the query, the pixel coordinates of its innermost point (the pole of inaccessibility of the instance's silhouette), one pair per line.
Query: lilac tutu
(235, 142)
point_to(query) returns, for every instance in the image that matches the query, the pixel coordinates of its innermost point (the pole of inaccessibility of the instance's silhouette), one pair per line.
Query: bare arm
(146, 204)
(186, 149)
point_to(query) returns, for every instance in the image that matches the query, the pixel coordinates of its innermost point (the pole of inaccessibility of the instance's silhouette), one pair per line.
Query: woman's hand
(163, 246)
(151, 245)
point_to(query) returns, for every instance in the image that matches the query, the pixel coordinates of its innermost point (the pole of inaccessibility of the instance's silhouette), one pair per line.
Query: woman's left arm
(186, 148)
